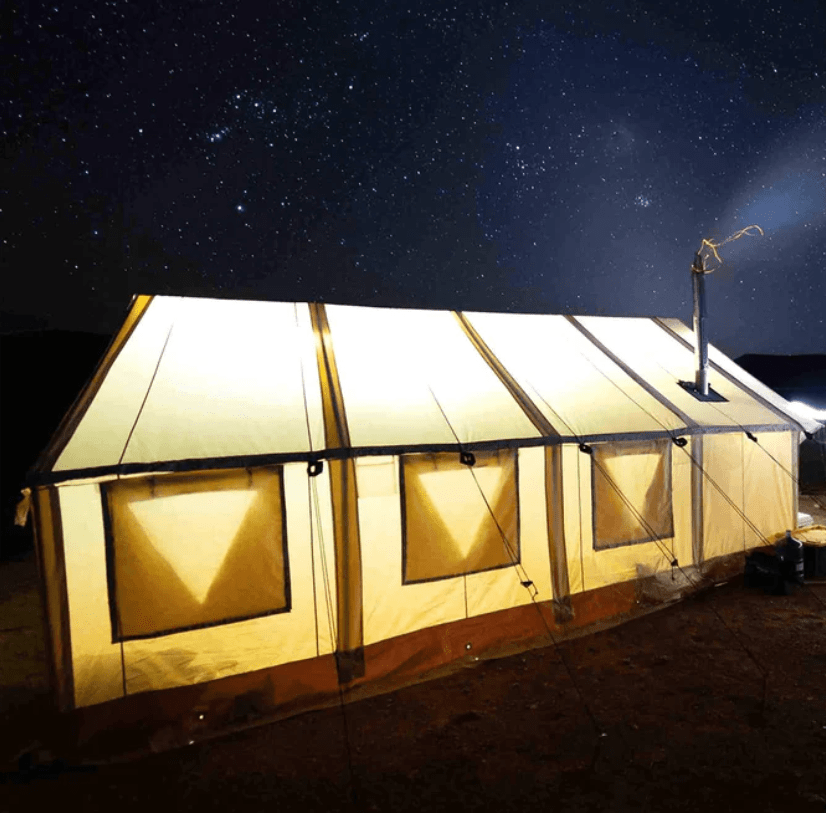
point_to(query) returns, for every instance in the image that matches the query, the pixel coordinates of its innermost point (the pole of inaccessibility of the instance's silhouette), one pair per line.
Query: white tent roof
(210, 381)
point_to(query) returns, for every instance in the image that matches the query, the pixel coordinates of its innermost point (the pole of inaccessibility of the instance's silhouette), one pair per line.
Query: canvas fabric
(631, 493)
(249, 485)
(459, 519)
(186, 551)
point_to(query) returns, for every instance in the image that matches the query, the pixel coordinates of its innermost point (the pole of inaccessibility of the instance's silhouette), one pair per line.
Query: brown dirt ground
(716, 703)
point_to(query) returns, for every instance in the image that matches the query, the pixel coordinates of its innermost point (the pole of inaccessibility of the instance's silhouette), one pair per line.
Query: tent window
(631, 486)
(195, 550)
(448, 529)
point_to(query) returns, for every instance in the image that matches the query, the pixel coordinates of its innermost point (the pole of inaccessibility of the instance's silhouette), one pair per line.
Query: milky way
(555, 157)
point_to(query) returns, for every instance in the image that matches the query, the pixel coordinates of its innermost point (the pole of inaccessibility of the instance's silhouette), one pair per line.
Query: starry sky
(564, 157)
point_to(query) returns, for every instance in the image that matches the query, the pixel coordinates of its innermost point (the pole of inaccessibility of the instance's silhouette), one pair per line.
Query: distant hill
(41, 374)
(796, 378)
(17, 322)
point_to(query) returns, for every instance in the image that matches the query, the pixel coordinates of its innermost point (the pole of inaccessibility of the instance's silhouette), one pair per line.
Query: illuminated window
(632, 493)
(448, 512)
(195, 550)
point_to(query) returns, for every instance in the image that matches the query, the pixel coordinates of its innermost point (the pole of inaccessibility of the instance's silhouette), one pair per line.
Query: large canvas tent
(258, 508)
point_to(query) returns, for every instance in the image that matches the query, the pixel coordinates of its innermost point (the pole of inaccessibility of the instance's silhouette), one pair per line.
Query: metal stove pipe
(698, 279)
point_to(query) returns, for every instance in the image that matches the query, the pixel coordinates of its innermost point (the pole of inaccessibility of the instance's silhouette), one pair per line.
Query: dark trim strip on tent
(50, 455)
(349, 647)
(111, 577)
(557, 551)
(68, 682)
(531, 410)
(48, 533)
(733, 379)
(697, 496)
(795, 484)
(652, 391)
(336, 430)
(41, 527)
(244, 461)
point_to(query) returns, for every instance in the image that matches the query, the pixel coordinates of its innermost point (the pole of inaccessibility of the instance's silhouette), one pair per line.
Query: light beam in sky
(786, 194)
(790, 201)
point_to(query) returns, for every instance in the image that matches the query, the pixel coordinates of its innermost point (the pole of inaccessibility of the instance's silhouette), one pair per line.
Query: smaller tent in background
(258, 508)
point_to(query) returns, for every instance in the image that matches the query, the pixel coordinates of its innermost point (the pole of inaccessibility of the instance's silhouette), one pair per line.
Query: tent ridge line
(526, 404)
(354, 452)
(652, 391)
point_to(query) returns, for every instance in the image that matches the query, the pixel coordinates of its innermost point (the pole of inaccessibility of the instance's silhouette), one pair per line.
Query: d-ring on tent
(258, 508)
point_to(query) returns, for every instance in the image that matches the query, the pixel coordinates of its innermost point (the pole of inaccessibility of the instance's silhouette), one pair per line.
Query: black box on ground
(814, 561)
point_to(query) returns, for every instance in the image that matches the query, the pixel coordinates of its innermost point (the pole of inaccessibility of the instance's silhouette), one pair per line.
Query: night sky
(558, 157)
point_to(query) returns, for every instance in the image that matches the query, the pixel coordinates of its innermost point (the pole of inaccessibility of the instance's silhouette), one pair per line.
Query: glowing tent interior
(259, 508)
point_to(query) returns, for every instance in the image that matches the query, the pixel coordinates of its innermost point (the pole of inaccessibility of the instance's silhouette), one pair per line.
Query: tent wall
(751, 478)
(591, 568)
(392, 558)
(281, 664)
(770, 489)
(104, 670)
(723, 528)
(394, 608)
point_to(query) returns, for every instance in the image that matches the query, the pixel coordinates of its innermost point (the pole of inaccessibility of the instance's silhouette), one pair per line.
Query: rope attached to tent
(722, 493)
(760, 446)
(120, 460)
(314, 468)
(146, 396)
(585, 448)
(641, 519)
(654, 536)
(524, 579)
(675, 438)
(737, 423)
(334, 640)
